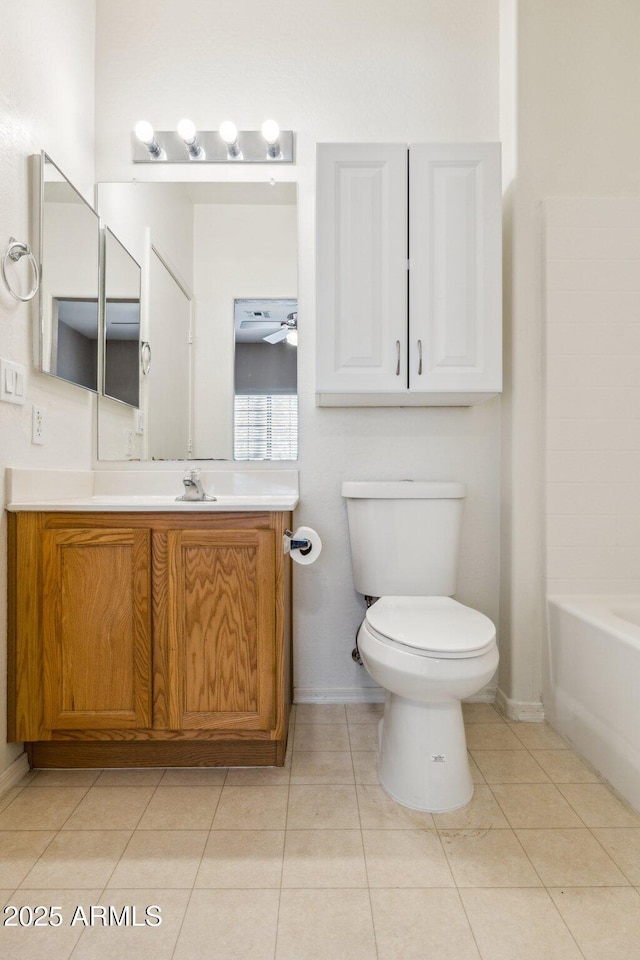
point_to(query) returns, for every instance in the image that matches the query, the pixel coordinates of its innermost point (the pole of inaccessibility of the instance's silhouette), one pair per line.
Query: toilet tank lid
(403, 489)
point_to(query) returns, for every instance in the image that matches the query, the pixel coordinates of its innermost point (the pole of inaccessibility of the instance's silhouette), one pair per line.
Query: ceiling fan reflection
(288, 331)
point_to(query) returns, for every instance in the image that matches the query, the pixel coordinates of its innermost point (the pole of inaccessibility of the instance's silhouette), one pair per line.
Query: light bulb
(187, 131)
(144, 132)
(228, 132)
(270, 131)
(292, 338)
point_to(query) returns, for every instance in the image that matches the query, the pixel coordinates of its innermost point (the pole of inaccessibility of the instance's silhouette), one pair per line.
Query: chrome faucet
(193, 489)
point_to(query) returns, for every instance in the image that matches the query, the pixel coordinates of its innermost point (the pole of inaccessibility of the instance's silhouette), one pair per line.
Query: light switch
(12, 382)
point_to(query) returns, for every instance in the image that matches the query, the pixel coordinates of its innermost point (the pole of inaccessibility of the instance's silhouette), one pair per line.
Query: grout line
(470, 925)
(617, 865)
(290, 741)
(195, 876)
(364, 855)
(564, 922)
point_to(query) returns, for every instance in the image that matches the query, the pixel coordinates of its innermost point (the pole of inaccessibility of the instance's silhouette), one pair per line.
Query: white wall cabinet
(409, 290)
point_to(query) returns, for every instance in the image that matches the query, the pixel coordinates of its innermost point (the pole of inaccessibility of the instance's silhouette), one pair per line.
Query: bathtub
(593, 697)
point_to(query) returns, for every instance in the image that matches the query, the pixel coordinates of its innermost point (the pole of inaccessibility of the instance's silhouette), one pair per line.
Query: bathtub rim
(595, 609)
(595, 737)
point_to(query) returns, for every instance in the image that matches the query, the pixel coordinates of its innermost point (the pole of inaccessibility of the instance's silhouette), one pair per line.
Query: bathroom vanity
(145, 632)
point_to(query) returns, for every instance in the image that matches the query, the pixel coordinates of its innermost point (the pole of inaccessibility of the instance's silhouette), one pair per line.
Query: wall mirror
(68, 229)
(204, 249)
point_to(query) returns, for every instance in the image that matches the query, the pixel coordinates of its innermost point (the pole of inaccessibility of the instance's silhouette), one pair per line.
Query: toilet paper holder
(303, 545)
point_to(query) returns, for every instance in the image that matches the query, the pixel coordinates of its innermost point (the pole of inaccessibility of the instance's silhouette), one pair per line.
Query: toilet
(427, 651)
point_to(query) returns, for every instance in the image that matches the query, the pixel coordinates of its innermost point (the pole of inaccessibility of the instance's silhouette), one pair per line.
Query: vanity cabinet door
(96, 628)
(215, 620)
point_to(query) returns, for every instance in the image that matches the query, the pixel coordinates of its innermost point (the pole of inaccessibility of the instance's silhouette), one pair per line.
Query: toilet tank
(405, 536)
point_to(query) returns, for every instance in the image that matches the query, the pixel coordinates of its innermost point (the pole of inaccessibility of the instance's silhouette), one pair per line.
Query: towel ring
(145, 357)
(15, 251)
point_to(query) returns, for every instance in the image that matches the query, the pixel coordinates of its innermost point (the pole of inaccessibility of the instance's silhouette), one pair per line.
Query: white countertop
(150, 491)
(143, 504)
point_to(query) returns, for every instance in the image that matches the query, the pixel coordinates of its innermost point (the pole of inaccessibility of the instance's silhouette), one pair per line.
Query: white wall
(592, 395)
(416, 70)
(578, 135)
(46, 102)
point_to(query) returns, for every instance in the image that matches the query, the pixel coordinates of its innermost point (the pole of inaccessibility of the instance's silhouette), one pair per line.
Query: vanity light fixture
(226, 145)
(188, 133)
(146, 135)
(229, 135)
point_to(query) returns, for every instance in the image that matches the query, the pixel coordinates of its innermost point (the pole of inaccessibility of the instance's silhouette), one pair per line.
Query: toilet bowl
(427, 650)
(428, 653)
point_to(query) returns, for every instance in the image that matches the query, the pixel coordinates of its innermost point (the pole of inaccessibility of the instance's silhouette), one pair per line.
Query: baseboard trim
(338, 695)
(14, 774)
(367, 695)
(486, 695)
(523, 711)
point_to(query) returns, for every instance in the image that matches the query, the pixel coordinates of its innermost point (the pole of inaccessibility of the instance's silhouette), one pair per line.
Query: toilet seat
(431, 626)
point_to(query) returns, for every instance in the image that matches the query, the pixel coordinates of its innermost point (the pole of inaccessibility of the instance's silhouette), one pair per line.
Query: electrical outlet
(129, 444)
(12, 382)
(37, 424)
(139, 422)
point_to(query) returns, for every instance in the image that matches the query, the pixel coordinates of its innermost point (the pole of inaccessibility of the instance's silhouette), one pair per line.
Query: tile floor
(315, 862)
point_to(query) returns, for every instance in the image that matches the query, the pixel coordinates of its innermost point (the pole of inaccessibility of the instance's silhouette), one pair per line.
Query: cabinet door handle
(419, 358)
(398, 358)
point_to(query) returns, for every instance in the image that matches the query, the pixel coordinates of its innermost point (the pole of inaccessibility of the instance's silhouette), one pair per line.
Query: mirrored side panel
(168, 361)
(122, 282)
(159, 426)
(69, 234)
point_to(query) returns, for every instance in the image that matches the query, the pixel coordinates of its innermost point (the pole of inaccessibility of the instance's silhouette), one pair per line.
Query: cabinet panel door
(96, 628)
(362, 267)
(220, 629)
(455, 287)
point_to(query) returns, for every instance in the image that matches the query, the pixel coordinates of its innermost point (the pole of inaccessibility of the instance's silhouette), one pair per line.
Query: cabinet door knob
(398, 358)
(419, 358)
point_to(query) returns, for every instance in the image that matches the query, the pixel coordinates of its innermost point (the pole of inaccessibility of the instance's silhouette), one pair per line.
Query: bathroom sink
(150, 491)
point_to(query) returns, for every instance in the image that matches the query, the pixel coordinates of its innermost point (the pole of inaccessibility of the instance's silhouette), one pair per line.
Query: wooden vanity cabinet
(149, 639)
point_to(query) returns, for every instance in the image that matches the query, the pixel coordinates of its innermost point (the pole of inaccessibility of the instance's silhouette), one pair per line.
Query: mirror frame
(39, 162)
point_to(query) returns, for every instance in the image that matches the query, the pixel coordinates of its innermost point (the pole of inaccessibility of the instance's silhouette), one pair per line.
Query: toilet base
(422, 754)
